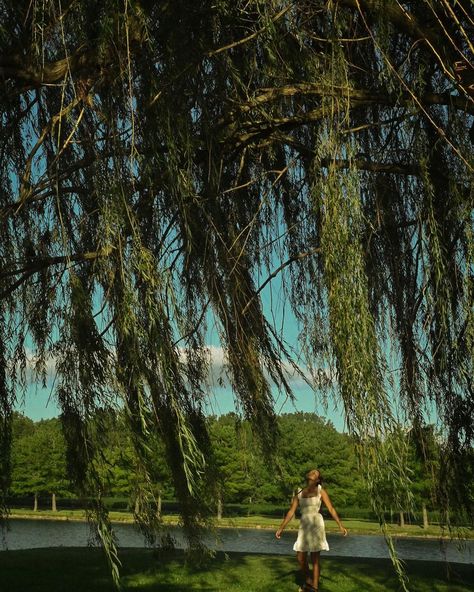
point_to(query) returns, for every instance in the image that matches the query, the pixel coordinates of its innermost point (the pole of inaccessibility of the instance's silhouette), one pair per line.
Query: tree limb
(17, 67)
(38, 263)
(360, 97)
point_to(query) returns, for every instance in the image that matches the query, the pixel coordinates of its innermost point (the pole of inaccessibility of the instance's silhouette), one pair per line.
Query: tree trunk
(402, 519)
(158, 506)
(137, 506)
(53, 502)
(219, 507)
(425, 516)
(35, 503)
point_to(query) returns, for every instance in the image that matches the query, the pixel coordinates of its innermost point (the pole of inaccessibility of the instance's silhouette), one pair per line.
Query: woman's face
(313, 475)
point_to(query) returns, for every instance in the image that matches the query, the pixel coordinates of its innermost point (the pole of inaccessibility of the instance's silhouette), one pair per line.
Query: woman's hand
(343, 530)
(288, 517)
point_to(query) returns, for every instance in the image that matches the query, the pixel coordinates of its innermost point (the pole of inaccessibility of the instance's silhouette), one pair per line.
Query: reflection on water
(29, 534)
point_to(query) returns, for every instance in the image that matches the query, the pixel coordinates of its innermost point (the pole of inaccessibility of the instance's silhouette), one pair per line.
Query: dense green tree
(399, 456)
(21, 426)
(306, 441)
(39, 459)
(425, 466)
(242, 474)
(233, 446)
(162, 162)
(133, 478)
(309, 441)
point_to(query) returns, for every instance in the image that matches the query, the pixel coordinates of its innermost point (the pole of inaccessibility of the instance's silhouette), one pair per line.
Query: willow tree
(163, 162)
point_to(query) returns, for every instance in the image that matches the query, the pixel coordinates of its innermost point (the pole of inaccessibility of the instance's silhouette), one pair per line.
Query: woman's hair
(319, 480)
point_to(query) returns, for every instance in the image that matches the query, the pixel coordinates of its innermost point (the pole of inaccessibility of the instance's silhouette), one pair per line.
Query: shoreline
(170, 522)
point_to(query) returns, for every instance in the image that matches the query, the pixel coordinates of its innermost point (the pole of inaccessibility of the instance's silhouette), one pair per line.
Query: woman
(311, 534)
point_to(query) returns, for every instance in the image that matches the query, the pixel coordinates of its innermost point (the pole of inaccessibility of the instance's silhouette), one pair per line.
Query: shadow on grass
(85, 570)
(58, 570)
(373, 575)
(253, 573)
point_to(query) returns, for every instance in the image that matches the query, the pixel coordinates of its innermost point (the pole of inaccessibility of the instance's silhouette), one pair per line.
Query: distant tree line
(241, 474)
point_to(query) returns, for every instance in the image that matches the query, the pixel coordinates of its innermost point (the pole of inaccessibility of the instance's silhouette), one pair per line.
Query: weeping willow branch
(401, 18)
(234, 44)
(274, 273)
(181, 151)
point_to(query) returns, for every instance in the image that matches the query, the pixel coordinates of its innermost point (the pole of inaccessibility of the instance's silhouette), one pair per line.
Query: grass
(354, 526)
(85, 570)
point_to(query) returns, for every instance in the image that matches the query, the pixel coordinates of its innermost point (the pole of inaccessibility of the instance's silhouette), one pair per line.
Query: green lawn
(85, 570)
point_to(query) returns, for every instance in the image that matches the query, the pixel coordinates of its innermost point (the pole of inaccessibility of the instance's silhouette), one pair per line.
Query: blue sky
(39, 402)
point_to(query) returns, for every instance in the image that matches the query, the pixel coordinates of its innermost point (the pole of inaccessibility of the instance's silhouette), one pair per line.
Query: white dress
(311, 533)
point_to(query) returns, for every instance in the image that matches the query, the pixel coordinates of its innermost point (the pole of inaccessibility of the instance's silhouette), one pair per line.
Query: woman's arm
(288, 517)
(332, 511)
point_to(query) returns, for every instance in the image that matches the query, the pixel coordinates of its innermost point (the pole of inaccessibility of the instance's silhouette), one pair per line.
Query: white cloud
(298, 377)
(34, 366)
(217, 360)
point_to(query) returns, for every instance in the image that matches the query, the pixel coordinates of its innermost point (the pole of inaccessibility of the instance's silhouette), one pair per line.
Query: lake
(30, 534)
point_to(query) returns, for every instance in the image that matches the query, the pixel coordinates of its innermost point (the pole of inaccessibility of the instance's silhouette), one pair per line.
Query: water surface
(32, 534)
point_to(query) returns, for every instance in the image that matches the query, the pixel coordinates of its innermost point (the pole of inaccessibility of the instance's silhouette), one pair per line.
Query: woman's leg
(315, 558)
(303, 561)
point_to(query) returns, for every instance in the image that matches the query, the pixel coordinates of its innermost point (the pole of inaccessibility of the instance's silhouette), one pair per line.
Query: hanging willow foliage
(159, 160)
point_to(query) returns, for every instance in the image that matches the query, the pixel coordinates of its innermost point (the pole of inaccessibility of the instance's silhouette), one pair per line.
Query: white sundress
(311, 533)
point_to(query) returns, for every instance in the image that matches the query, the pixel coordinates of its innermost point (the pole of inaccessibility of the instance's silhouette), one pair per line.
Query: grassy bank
(354, 526)
(85, 570)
